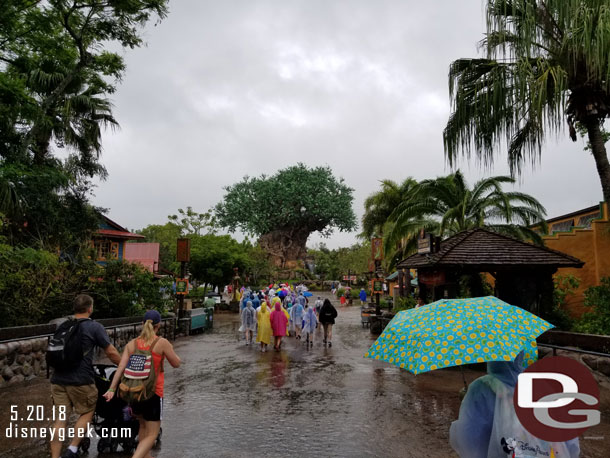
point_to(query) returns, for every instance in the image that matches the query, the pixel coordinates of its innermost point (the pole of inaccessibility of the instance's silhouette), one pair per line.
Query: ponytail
(148, 332)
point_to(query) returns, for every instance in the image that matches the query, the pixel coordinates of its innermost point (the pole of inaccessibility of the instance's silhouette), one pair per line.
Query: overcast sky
(235, 87)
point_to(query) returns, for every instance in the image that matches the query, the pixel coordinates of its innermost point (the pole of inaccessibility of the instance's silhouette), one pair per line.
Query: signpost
(424, 243)
(183, 255)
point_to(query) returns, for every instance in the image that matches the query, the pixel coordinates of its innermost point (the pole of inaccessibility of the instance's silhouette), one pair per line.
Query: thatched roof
(487, 249)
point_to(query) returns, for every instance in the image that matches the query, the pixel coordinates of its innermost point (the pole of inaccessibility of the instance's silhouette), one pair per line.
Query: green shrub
(340, 292)
(564, 285)
(404, 303)
(596, 321)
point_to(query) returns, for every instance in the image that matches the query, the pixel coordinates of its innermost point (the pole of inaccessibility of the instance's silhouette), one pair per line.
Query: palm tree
(545, 59)
(447, 205)
(379, 206)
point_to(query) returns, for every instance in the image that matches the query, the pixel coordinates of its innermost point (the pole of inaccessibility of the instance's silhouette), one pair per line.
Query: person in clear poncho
(488, 426)
(248, 322)
(296, 319)
(310, 322)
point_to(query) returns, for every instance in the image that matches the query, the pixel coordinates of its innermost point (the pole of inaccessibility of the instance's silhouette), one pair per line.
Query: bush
(564, 286)
(126, 289)
(340, 292)
(597, 321)
(404, 303)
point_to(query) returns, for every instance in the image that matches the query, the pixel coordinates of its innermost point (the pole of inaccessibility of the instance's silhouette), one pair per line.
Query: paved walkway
(230, 400)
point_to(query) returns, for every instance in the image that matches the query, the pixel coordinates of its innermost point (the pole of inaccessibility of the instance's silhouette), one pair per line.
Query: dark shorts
(150, 410)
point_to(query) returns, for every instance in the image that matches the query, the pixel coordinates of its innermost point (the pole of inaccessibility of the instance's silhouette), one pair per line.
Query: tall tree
(379, 206)
(284, 209)
(56, 72)
(448, 205)
(547, 62)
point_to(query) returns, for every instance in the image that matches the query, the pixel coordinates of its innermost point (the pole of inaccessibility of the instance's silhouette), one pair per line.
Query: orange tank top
(158, 363)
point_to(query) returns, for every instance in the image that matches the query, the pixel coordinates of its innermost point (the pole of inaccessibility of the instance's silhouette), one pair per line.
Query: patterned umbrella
(454, 332)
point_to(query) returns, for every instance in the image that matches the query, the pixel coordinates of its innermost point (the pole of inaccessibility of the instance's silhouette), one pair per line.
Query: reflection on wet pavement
(231, 400)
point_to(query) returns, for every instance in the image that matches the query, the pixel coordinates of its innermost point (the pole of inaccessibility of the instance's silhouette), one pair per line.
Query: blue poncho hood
(507, 371)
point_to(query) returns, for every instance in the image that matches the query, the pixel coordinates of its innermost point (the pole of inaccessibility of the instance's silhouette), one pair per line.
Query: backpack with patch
(139, 379)
(65, 349)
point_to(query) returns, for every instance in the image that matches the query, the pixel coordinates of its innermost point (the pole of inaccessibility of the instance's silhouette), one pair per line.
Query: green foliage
(474, 285)
(53, 209)
(333, 264)
(295, 197)
(125, 289)
(57, 72)
(36, 286)
(447, 205)
(213, 258)
(192, 223)
(597, 321)
(564, 285)
(544, 62)
(404, 303)
(28, 279)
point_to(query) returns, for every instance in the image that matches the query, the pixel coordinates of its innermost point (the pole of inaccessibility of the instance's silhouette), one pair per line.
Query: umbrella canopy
(454, 332)
(307, 294)
(282, 293)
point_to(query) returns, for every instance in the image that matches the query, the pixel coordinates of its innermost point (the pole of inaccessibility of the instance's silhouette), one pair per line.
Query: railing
(47, 330)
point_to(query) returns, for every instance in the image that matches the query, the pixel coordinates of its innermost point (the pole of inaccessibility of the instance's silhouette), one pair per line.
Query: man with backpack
(70, 353)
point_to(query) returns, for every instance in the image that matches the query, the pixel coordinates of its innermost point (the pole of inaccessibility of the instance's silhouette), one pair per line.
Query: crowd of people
(281, 311)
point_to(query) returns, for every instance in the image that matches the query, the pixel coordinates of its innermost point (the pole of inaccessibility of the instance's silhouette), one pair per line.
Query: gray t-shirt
(93, 335)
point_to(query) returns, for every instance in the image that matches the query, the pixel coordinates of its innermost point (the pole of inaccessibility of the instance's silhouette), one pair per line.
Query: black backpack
(65, 350)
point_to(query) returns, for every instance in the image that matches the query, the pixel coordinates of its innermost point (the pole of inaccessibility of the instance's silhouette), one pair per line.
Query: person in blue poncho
(488, 426)
(362, 296)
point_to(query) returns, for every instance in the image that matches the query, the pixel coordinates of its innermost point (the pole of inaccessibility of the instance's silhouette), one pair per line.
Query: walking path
(231, 400)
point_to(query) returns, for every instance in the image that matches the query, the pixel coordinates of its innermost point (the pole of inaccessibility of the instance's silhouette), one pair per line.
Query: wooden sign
(432, 278)
(350, 278)
(377, 247)
(182, 286)
(424, 243)
(183, 250)
(377, 286)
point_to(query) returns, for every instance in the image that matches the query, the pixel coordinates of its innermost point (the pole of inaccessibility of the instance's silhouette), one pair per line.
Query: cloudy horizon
(235, 88)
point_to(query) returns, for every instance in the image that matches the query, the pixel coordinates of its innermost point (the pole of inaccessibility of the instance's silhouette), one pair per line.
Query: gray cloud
(225, 89)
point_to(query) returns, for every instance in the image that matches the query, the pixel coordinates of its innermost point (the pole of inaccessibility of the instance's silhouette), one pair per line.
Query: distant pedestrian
(362, 296)
(263, 334)
(296, 319)
(420, 302)
(342, 300)
(248, 322)
(310, 322)
(328, 313)
(318, 305)
(278, 325)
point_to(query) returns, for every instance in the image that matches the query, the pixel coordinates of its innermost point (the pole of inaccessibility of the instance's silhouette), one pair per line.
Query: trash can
(199, 320)
(210, 323)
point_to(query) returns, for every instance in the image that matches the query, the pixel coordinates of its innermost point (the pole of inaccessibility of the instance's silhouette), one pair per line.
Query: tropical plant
(56, 72)
(447, 205)
(379, 206)
(545, 60)
(284, 209)
(597, 319)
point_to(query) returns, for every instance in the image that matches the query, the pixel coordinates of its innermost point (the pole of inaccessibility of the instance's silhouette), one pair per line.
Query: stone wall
(25, 359)
(22, 360)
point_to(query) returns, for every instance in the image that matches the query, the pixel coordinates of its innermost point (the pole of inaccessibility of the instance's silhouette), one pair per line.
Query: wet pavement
(231, 400)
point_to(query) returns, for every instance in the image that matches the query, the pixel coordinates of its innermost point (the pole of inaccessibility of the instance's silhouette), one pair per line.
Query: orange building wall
(589, 245)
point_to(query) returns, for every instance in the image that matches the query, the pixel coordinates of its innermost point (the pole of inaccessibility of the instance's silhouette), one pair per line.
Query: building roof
(574, 214)
(111, 229)
(117, 234)
(484, 248)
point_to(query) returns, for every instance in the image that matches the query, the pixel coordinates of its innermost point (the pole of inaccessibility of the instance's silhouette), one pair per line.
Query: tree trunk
(286, 246)
(598, 149)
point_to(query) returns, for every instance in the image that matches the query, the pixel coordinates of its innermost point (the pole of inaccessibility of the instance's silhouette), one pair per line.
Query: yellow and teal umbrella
(453, 332)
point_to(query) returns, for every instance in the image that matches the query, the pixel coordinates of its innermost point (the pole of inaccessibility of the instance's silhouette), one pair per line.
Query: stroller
(115, 414)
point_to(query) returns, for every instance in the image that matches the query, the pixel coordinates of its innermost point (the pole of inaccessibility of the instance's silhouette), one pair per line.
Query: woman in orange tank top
(149, 412)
